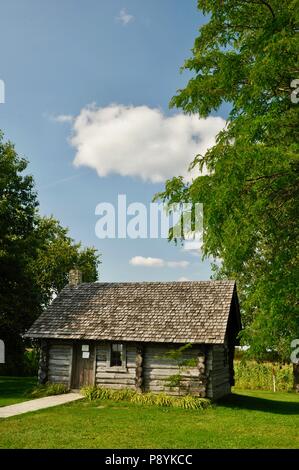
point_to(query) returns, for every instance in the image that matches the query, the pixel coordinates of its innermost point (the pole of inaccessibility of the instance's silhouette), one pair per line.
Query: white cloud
(157, 262)
(124, 17)
(141, 261)
(139, 141)
(183, 279)
(177, 264)
(63, 118)
(193, 247)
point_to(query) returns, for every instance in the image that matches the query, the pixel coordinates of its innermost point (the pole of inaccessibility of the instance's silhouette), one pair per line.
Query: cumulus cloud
(183, 279)
(139, 141)
(142, 261)
(124, 17)
(157, 262)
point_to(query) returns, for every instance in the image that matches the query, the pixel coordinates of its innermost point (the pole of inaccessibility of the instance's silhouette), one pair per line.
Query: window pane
(116, 354)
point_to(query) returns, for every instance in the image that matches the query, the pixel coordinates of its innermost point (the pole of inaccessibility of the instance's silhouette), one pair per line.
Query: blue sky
(59, 57)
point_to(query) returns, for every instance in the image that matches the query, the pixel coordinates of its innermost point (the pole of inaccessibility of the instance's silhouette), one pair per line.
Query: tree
(56, 254)
(18, 296)
(247, 55)
(36, 254)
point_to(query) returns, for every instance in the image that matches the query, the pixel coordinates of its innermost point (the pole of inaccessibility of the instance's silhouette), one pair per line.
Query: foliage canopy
(247, 55)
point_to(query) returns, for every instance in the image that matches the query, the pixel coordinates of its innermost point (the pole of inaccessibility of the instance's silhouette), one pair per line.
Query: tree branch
(262, 2)
(269, 7)
(274, 175)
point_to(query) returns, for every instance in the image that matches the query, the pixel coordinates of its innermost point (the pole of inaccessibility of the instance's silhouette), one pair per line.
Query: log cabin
(126, 335)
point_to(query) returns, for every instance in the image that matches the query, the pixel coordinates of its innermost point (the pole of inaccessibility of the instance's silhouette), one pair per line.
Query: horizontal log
(101, 364)
(220, 388)
(58, 378)
(219, 383)
(62, 351)
(159, 365)
(115, 375)
(167, 372)
(218, 379)
(165, 382)
(160, 388)
(59, 362)
(221, 361)
(131, 364)
(160, 370)
(218, 367)
(184, 385)
(161, 373)
(165, 354)
(60, 356)
(116, 386)
(131, 355)
(219, 370)
(60, 346)
(225, 386)
(198, 392)
(218, 373)
(101, 358)
(58, 371)
(101, 350)
(123, 382)
(109, 370)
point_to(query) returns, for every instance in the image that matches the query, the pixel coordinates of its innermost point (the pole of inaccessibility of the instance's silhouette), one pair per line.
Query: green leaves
(145, 399)
(247, 54)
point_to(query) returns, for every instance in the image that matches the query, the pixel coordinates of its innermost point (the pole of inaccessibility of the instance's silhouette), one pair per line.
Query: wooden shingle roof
(178, 312)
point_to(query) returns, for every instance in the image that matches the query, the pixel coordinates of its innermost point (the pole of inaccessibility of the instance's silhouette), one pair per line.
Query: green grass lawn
(14, 389)
(251, 419)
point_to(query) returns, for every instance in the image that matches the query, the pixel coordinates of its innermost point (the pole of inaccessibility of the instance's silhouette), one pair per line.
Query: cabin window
(116, 356)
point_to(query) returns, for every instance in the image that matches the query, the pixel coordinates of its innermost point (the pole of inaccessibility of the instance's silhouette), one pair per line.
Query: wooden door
(83, 364)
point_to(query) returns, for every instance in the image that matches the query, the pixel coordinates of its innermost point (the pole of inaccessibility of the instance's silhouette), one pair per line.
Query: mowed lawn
(243, 420)
(14, 389)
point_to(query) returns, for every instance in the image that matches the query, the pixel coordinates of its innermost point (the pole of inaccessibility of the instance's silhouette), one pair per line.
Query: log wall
(60, 363)
(115, 377)
(147, 368)
(218, 371)
(157, 369)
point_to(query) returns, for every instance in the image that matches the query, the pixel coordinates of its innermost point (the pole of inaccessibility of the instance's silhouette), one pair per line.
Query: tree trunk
(296, 377)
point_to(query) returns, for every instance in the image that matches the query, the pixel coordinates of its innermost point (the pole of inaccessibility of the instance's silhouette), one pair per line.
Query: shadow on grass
(16, 387)
(235, 401)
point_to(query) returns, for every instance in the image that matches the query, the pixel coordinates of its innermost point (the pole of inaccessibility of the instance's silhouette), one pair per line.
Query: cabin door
(83, 371)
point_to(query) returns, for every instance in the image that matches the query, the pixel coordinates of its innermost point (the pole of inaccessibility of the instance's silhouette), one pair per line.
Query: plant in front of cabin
(147, 399)
(48, 389)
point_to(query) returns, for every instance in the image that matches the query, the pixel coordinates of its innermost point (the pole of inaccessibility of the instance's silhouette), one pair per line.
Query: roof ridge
(212, 281)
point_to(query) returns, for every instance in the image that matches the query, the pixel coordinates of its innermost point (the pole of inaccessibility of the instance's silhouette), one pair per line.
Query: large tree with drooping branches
(247, 55)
